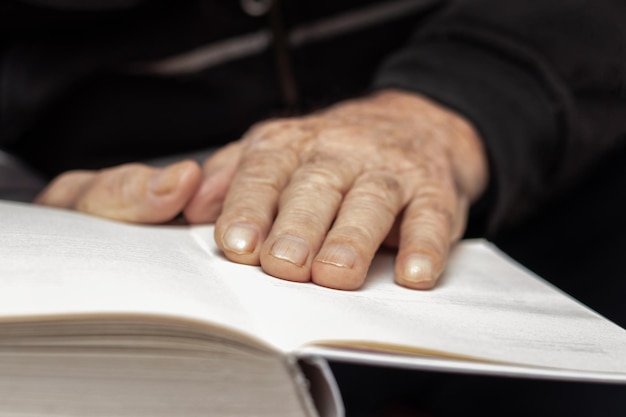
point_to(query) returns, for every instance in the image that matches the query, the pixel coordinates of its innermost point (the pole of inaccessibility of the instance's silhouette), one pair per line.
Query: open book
(105, 318)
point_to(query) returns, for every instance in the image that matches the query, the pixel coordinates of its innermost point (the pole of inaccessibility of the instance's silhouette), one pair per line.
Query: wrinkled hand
(313, 198)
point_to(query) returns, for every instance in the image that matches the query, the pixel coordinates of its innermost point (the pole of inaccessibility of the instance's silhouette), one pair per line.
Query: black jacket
(543, 81)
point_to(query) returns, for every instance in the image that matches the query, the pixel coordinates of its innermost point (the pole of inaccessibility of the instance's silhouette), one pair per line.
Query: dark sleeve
(544, 82)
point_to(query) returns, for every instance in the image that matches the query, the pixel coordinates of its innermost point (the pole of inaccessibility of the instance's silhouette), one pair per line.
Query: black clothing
(86, 90)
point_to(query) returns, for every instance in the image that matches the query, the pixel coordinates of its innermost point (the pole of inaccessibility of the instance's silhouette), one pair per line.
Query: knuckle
(356, 234)
(444, 214)
(433, 216)
(373, 211)
(430, 173)
(277, 133)
(260, 129)
(311, 179)
(260, 161)
(303, 214)
(436, 194)
(271, 124)
(308, 204)
(321, 158)
(428, 224)
(327, 170)
(266, 169)
(256, 215)
(434, 249)
(384, 190)
(228, 154)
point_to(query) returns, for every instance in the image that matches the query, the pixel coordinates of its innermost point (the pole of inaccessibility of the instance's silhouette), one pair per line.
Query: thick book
(104, 318)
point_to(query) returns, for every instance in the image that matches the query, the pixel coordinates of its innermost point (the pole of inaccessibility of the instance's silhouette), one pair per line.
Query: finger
(425, 235)
(459, 221)
(457, 231)
(251, 203)
(366, 217)
(218, 172)
(393, 237)
(307, 208)
(137, 193)
(64, 190)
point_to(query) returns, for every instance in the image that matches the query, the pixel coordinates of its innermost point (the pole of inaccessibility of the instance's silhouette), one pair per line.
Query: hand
(139, 193)
(314, 197)
(132, 192)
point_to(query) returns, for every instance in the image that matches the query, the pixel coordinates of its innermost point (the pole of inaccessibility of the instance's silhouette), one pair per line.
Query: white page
(484, 307)
(61, 262)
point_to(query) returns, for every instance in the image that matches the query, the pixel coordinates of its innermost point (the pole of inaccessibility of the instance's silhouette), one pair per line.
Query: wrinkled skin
(314, 197)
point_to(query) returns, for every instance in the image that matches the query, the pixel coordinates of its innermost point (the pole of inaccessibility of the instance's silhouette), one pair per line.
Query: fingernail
(241, 239)
(337, 255)
(166, 180)
(418, 269)
(291, 249)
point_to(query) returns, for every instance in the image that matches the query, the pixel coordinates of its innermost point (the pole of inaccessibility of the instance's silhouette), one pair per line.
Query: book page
(57, 262)
(485, 307)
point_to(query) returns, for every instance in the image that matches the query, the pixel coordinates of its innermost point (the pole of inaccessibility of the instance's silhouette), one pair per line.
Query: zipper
(284, 62)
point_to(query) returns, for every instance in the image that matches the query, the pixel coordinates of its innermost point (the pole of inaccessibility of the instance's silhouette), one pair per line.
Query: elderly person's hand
(313, 198)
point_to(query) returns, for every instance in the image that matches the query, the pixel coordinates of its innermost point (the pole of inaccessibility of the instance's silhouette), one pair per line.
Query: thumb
(133, 192)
